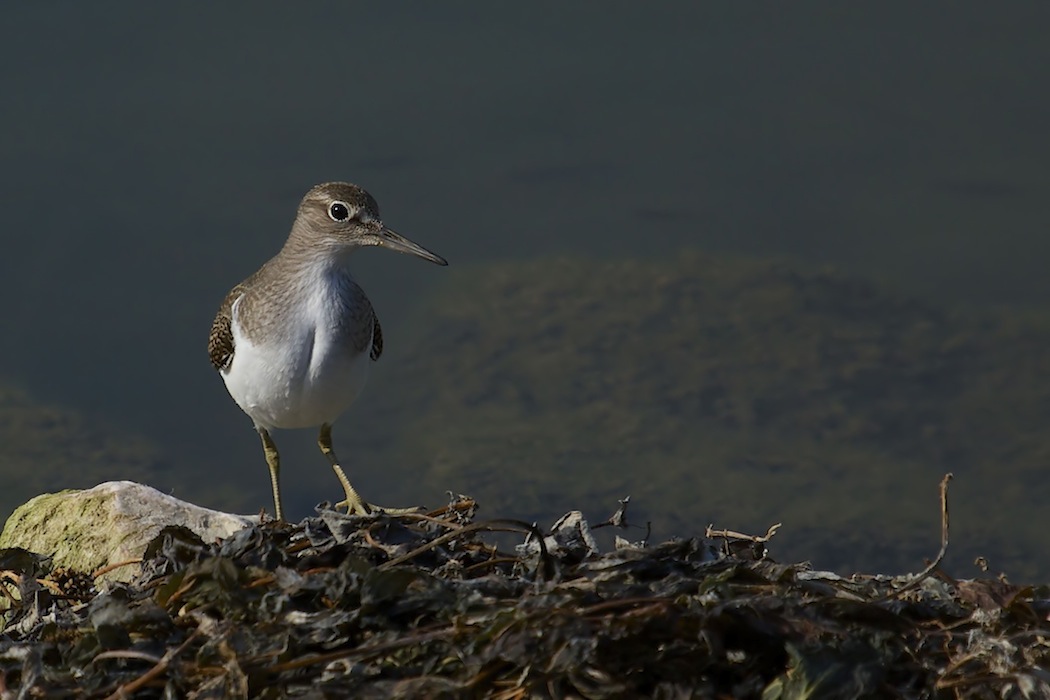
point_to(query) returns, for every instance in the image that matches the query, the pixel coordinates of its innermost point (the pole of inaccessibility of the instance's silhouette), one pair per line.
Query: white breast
(304, 378)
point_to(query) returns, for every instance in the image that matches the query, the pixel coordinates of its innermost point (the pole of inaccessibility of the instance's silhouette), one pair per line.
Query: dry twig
(919, 578)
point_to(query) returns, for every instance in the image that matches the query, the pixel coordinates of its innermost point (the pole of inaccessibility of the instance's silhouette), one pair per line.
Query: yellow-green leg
(273, 461)
(353, 503)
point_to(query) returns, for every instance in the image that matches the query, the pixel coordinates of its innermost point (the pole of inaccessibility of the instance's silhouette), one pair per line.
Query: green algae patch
(48, 524)
(714, 388)
(44, 448)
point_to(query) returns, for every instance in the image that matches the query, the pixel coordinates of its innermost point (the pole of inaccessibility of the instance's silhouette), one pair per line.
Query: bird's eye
(338, 211)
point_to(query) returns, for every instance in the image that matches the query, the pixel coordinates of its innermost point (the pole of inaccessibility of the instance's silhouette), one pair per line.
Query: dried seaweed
(427, 606)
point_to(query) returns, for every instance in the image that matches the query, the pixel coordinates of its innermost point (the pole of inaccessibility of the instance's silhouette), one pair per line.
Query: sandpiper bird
(293, 341)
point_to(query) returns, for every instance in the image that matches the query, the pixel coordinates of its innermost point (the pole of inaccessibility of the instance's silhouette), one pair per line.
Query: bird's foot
(355, 505)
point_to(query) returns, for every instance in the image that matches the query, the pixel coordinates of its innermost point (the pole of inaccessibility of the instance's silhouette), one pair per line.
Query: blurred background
(747, 263)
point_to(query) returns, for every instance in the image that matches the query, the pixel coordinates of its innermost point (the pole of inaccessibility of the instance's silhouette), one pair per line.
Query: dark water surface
(152, 157)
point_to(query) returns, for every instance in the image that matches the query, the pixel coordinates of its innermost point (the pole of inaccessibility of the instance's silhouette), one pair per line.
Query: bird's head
(342, 217)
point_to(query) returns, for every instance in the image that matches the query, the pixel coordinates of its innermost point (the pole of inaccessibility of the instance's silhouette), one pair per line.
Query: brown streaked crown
(315, 204)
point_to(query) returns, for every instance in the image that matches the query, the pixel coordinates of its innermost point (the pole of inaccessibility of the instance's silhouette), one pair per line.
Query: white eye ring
(339, 211)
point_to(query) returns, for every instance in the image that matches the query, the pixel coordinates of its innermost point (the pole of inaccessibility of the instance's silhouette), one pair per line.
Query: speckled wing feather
(220, 340)
(377, 339)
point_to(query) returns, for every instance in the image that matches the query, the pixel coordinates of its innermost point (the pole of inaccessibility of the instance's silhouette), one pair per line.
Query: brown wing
(220, 340)
(377, 339)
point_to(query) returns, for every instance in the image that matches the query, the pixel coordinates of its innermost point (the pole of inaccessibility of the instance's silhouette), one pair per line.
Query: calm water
(152, 158)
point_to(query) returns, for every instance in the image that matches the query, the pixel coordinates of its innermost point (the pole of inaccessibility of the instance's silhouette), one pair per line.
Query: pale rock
(108, 524)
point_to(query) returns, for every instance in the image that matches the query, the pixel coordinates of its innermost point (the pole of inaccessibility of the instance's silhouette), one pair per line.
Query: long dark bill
(389, 238)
